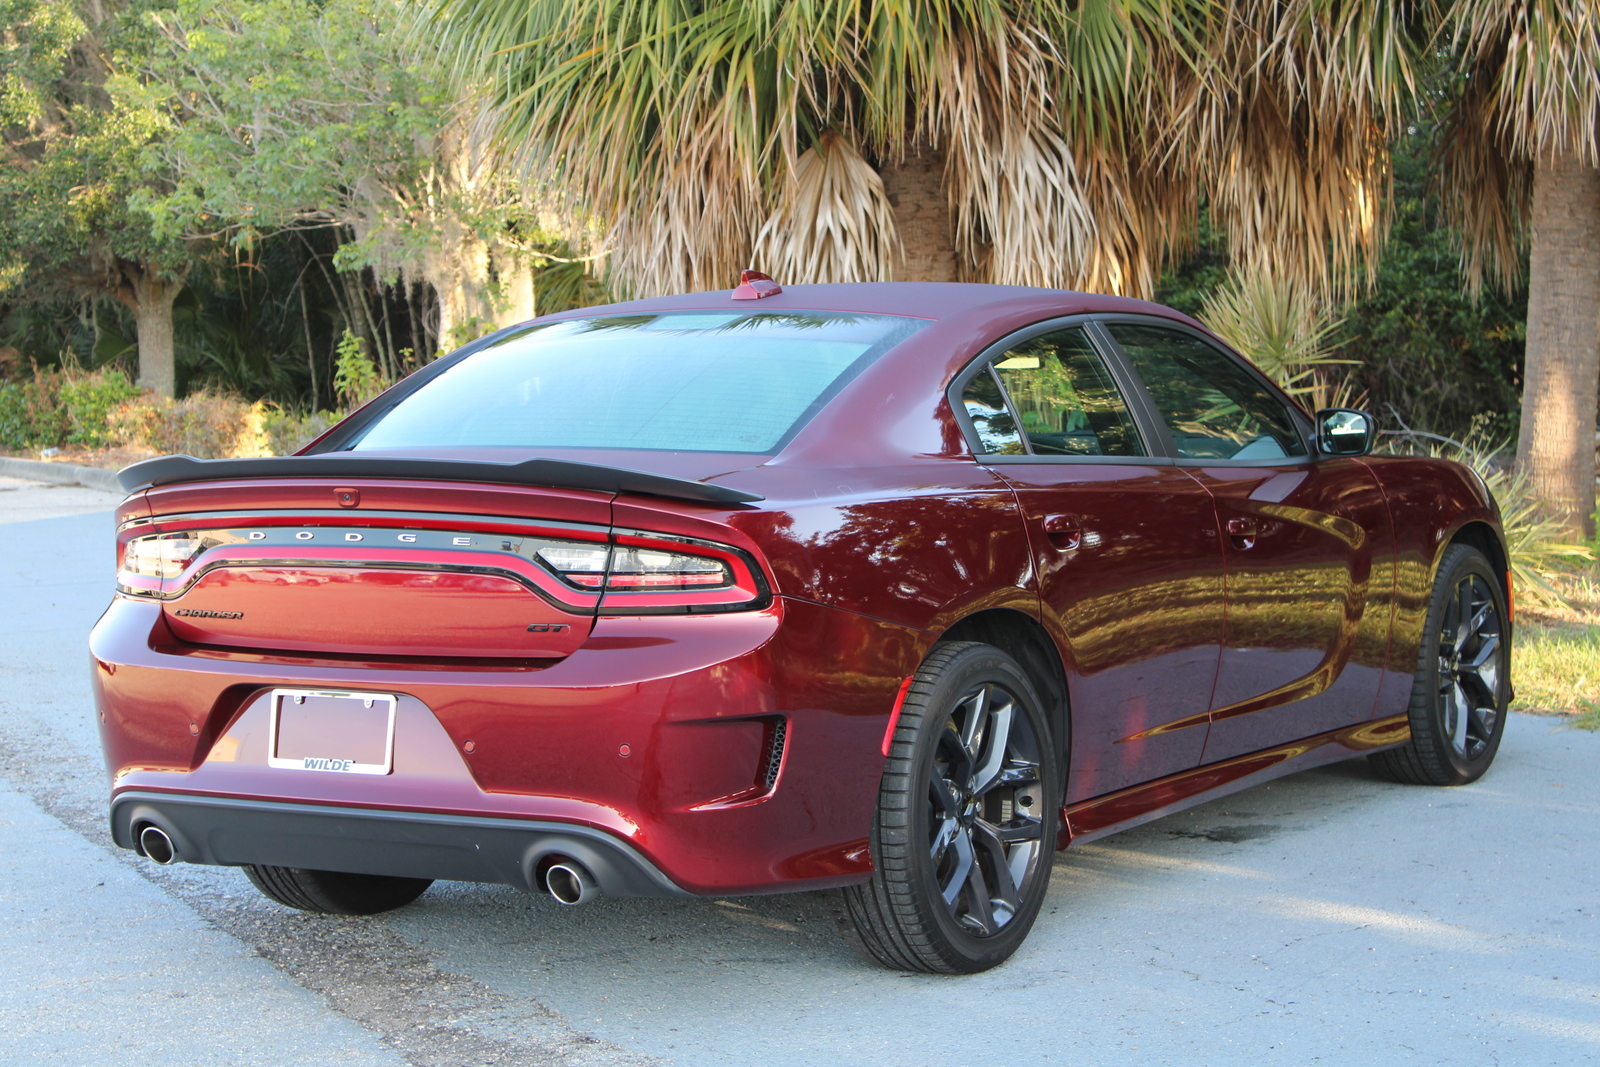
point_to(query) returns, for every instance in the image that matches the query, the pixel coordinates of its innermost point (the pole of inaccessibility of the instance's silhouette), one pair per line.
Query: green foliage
(355, 375)
(76, 158)
(1191, 279)
(1426, 350)
(291, 113)
(31, 415)
(61, 407)
(88, 401)
(1279, 325)
(1425, 354)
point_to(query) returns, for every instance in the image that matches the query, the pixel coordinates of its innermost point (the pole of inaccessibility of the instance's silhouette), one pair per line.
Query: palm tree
(1042, 142)
(1520, 167)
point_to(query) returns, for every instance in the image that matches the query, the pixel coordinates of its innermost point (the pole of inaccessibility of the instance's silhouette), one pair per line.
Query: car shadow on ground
(648, 937)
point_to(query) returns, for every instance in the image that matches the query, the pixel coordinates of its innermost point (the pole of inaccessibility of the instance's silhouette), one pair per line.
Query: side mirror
(1345, 432)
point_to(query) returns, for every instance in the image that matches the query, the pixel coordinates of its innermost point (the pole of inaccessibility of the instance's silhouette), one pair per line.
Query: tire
(964, 836)
(334, 892)
(1463, 680)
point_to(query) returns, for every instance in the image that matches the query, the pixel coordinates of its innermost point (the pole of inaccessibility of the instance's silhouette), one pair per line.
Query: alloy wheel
(1470, 664)
(986, 800)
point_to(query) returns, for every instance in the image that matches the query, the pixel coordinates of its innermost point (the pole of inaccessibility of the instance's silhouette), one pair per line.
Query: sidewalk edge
(60, 474)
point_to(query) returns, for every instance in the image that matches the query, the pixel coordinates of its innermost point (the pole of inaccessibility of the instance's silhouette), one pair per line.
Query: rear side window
(1062, 401)
(1214, 408)
(684, 381)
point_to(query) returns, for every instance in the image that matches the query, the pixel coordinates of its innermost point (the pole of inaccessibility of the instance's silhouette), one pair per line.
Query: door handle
(1244, 532)
(1065, 531)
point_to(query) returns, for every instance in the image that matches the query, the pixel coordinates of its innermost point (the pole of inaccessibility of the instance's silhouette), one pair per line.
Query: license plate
(318, 730)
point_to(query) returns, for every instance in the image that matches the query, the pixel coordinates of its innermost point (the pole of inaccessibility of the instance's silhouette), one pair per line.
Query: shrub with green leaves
(1285, 330)
(88, 401)
(355, 375)
(31, 415)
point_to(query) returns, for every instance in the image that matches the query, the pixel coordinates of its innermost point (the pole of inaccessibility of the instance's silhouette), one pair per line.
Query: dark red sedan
(896, 588)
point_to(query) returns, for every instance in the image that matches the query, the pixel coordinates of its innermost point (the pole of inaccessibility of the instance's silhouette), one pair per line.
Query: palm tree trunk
(916, 190)
(1561, 376)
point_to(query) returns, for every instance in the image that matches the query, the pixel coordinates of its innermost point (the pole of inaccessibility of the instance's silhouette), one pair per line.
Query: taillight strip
(738, 585)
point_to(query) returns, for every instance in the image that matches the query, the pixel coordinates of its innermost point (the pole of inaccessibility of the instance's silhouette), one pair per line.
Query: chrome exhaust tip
(570, 883)
(154, 843)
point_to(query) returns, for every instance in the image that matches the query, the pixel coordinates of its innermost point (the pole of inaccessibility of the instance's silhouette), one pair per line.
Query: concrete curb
(60, 474)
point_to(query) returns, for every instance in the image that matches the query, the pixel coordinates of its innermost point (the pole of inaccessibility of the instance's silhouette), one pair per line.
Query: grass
(1555, 662)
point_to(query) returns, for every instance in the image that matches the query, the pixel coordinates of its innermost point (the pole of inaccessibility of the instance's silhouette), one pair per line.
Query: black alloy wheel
(966, 827)
(1462, 687)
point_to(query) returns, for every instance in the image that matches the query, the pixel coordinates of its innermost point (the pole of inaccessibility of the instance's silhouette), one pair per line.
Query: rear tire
(335, 892)
(1463, 680)
(964, 837)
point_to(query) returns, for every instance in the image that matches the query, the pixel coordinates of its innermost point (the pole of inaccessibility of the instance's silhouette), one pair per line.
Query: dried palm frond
(1488, 190)
(832, 222)
(1289, 120)
(1018, 206)
(689, 230)
(1533, 89)
(1078, 136)
(1542, 58)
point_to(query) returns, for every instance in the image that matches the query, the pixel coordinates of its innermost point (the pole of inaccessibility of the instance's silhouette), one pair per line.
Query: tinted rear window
(700, 381)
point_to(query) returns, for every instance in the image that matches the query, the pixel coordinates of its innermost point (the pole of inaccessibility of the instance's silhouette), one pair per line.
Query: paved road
(1328, 918)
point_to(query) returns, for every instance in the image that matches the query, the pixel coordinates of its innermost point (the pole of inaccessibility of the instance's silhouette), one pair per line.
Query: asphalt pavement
(1328, 918)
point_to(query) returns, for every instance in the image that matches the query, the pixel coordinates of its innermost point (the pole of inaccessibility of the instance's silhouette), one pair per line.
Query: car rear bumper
(660, 735)
(232, 831)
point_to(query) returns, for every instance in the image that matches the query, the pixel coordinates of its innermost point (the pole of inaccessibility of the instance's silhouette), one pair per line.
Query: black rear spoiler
(559, 473)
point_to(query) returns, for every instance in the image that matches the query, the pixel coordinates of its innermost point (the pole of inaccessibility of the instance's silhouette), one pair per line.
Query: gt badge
(547, 627)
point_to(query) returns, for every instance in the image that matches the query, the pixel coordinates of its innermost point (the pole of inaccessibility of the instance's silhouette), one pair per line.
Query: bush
(88, 400)
(31, 415)
(355, 375)
(1284, 330)
(288, 432)
(204, 425)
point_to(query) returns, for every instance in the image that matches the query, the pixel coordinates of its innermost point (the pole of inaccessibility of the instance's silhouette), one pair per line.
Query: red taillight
(658, 573)
(633, 567)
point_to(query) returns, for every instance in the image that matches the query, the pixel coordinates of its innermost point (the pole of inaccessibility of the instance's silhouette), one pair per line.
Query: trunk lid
(370, 567)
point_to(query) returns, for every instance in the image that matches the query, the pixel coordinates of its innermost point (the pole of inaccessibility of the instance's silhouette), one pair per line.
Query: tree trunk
(459, 272)
(915, 189)
(1561, 373)
(514, 301)
(150, 295)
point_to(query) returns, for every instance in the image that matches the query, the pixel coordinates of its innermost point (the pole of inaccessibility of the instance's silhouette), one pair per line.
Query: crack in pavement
(366, 971)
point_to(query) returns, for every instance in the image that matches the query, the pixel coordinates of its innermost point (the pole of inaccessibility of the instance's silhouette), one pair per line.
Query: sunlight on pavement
(1413, 927)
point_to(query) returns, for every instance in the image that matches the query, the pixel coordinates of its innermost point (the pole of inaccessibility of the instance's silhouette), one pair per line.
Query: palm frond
(832, 223)
(1529, 86)
(1542, 61)
(1279, 324)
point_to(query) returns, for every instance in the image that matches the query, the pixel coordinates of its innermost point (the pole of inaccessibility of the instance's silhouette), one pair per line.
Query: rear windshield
(741, 381)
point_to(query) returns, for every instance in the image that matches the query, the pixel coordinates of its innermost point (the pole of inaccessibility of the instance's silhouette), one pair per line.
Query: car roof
(926, 300)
